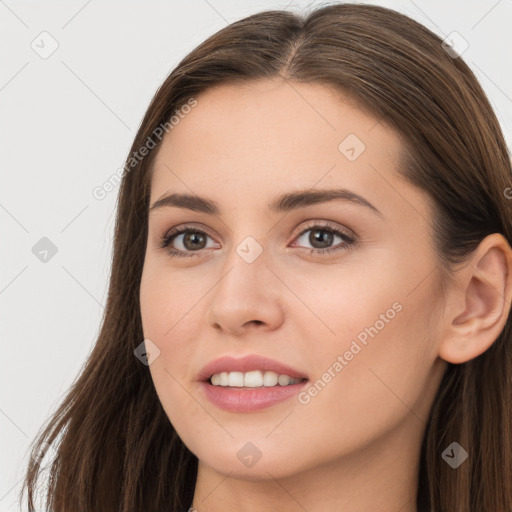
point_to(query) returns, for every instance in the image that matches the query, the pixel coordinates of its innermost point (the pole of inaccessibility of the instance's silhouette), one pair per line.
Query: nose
(247, 296)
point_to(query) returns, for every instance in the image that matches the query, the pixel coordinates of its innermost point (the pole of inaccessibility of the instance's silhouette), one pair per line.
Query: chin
(272, 467)
(250, 460)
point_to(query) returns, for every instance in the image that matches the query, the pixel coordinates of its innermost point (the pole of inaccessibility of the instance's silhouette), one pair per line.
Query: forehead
(245, 140)
(277, 114)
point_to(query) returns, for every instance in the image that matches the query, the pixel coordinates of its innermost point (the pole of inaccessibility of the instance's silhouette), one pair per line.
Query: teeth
(270, 379)
(235, 379)
(253, 379)
(284, 380)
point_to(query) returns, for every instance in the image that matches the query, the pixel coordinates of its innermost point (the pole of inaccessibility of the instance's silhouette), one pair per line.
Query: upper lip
(247, 364)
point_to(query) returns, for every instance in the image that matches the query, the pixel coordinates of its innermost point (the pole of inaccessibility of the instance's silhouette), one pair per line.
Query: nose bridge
(244, 270)
(244, 292)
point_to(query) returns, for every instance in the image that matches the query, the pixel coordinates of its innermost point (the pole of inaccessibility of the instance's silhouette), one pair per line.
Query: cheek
(341, 303)
(167, 313)
(166, 299)
(169, 319)
(366, 330)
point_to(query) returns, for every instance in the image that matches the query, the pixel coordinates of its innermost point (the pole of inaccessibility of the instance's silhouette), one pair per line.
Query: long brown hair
(115, 448)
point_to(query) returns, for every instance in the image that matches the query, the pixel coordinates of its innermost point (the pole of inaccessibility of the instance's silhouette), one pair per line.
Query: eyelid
(189, 225)
(327, 224)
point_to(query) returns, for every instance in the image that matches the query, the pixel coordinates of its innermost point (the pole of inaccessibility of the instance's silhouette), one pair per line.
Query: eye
(322, 236)
(190, 239)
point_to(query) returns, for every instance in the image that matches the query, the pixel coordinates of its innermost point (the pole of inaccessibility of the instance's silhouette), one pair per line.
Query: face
(343, 290)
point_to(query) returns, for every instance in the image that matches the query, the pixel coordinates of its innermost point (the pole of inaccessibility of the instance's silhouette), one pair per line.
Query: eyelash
(169, 237)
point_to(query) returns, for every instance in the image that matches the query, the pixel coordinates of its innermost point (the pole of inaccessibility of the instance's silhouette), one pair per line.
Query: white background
(66, 125)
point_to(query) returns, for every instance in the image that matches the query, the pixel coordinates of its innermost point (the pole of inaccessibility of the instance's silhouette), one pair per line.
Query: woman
(309, 305)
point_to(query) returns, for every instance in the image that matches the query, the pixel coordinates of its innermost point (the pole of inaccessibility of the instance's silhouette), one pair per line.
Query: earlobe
(484, 288)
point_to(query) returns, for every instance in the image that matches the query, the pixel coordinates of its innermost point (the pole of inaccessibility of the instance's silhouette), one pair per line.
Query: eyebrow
(285, 203)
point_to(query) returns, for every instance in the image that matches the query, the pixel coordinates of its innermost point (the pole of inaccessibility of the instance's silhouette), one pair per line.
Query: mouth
(250, 383)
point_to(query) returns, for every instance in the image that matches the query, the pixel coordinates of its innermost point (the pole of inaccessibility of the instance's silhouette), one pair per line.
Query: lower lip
(249, 399)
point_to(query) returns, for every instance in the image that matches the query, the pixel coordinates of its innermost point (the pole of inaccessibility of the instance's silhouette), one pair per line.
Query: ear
(478, 301)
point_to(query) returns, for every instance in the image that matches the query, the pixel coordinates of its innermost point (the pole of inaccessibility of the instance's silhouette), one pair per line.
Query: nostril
(257, 322)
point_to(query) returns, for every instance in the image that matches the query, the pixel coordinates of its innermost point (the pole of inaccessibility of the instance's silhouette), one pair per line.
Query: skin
(355, 446)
